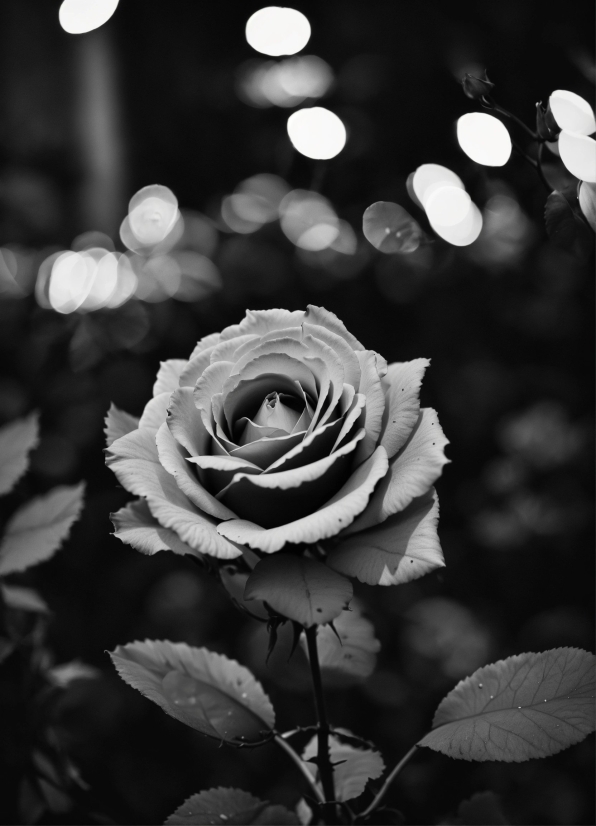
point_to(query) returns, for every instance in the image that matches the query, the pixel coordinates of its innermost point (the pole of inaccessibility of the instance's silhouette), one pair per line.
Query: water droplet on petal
(479, 685)
(245, 695)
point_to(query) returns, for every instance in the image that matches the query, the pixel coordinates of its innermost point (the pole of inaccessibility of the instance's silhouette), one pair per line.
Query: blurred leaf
(355, 652)
(352, 768)
(587, 202)
(118, 423)
(391, 228)
(17, 439)
(566, 228)
(6, 648)
(230, 806)
(36, 531)
(530, 705)
(204, 690)
(23, 599)
(63, 675)
(298, 588)
(235, 582)
(482, 809)
(57, 800)
(31, 803)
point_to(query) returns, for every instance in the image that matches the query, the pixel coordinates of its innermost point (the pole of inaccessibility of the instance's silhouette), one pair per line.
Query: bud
(476, 88)
(546, 125)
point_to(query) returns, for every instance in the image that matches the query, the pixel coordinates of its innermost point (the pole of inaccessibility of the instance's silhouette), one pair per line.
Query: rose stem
(388, 782)
(300, 763)
(324, 762)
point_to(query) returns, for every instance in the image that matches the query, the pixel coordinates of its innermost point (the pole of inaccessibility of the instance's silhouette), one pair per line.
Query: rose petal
(205, 343)
(135, 525)
(195, 368)
(372, 388)
(155, 412)
(284, 496)
(317, 445)
(118, 423)
(402, 405)
(173, 458)
(168, 376)
(411, 473)
(336, 514)
(260, 322)
(354, 417)
(186, 424)
(405, 547)
(246, 347)
(324, 318)
(209, 383)
(340, 347)
(134, 460)
(215, 472)
(266, 451)
(226, 350)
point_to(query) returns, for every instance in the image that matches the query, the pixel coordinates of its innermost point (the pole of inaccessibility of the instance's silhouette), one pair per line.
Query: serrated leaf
(565, 227)
(23, 599)
(206, 691)
(391, 228)
(17, 440)
(118, 423)
(530, 705)
(232, 807)
(36, 531)
(299, 588)
(352, 767)
(353, 649)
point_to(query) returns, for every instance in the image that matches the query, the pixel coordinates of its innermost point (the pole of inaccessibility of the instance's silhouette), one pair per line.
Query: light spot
(484, 139)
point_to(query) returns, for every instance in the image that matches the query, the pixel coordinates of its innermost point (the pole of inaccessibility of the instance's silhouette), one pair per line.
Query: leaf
(530, 705)
(352, 768)
(64, 674)
(36, 531)
(355, 652)
(118, 423)
(135, 525)
(391, 228)
(23, 599)
(565, 227)
(232, 807)
(299, 588)
(17, 440)
(204, 690)
(482, 809)
(235, 582)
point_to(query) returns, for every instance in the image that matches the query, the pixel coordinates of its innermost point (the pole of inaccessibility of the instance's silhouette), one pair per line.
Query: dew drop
(223, 817)
(492, 696)
(545, 701)
(479, 685)
(244, 695)
(519, 706)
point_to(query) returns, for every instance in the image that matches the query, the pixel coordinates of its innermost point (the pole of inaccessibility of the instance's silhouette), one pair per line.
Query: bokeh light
(463, 233)
(152, 213)
(578, 153)
(254, 203)
(572, 112)
(317, 133)
(80, 16)
(447, 206)
(284, 83)
(308, 220)
(484, 139)
(277, 31)
(429, 177)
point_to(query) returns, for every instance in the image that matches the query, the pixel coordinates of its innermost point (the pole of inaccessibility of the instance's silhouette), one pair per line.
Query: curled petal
(185, 422)
(244, 348)
(324, 318)
(402, 405)
(215, 472)
(134, 460)
(195, 368)
(411, 473)
(405, 547)
(208, 385)
(284, 496)
(155, 412)
(168, 376)
(311, 448)
(339, 345)
(325, 522)
(372, 389)
(260, 322)
(118, 423)
(173, 459)
(268, 450)
(205, 343)
(135, 525)
(226, 350)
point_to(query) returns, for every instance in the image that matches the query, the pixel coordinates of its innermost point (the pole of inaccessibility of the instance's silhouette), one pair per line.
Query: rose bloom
(284, 431)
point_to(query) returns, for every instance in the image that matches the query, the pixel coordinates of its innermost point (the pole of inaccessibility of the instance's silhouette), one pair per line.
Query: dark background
(506, 322)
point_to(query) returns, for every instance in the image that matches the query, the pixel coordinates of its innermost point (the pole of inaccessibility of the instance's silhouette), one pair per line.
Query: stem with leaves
(390, 778)
(324, 761)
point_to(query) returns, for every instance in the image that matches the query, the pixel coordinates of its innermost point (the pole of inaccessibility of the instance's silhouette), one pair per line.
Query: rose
(284, 431)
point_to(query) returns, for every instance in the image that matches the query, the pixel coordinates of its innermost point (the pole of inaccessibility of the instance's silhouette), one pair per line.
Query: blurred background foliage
(158, 95)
